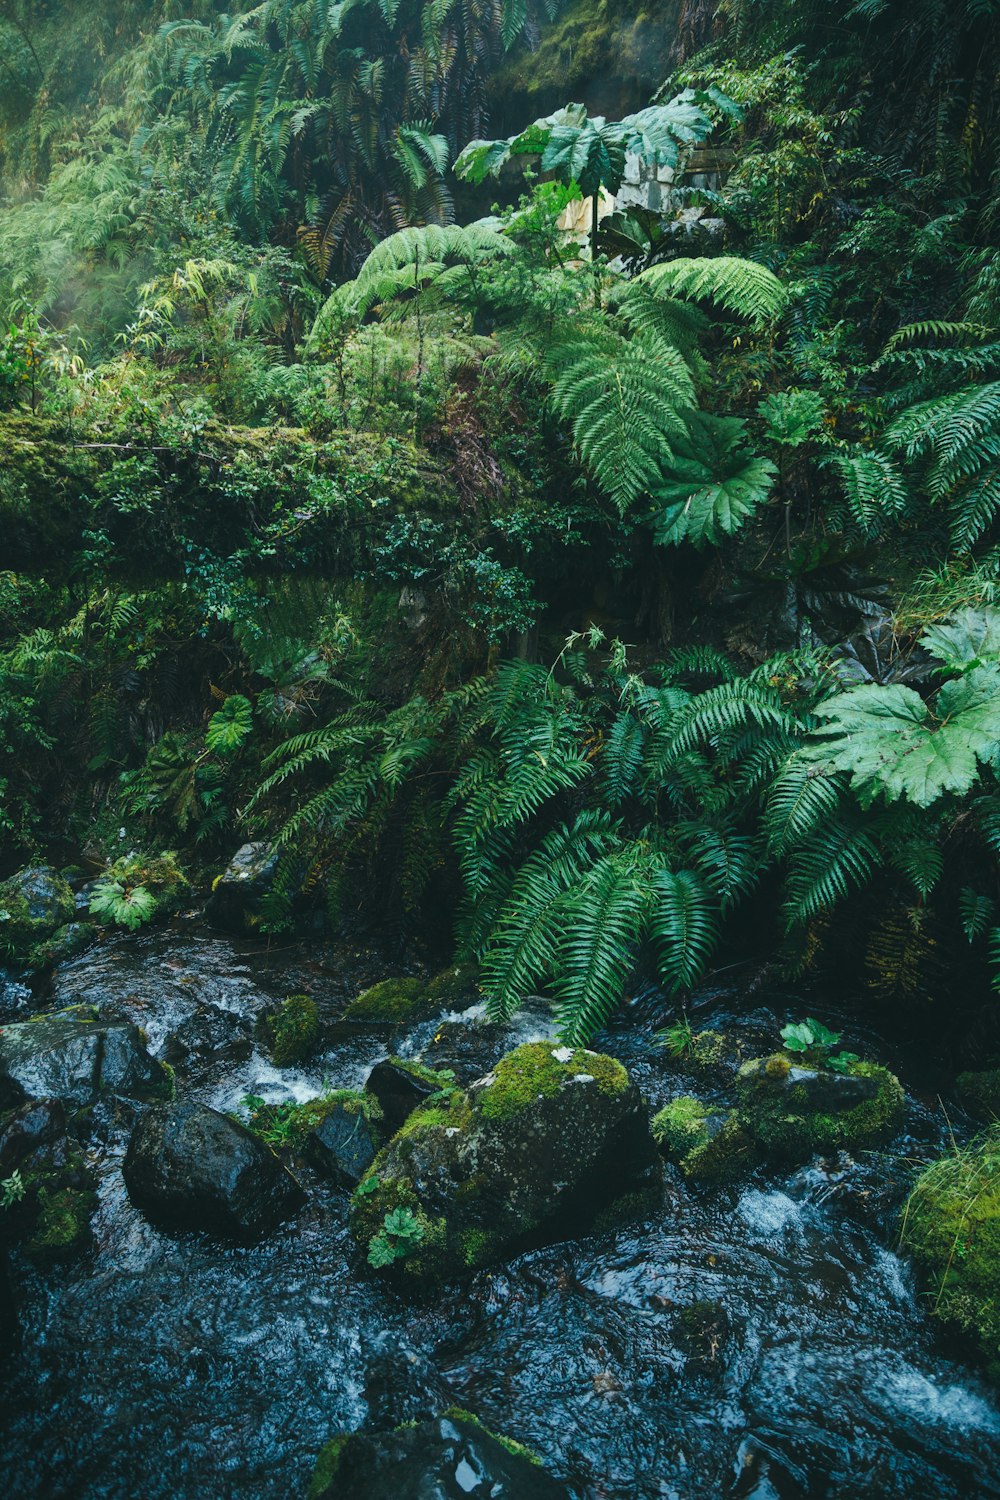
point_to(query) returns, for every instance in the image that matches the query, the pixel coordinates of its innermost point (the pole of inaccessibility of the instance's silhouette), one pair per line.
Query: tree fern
(740, 286)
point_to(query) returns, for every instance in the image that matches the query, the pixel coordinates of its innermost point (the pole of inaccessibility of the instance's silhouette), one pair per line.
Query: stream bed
(160, 1366)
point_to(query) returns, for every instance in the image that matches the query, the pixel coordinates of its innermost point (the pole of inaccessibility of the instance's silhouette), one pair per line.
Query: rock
(290, 1030)
(36, 1124)
(401, 1086)
(451, 1458)
(534, 1150)
(951, 1226)
(65, 943)
(980, 1093)
(33, 904)
(235, 902)
(791, 1112)
(74, 1056)
(702, 1332)
(189, 1167)
(210, 1032)
(708, 1143)
(344, 1142)
(391, 1002)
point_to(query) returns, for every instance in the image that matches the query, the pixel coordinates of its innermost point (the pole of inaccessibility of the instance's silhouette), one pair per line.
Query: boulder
(344, 1143)
(50, 1213)
(35, 1124)
(791, 1111)
(401, 1086)
(189, 1167)
(33, 904)
(74, 1056)
(65, 943)
(708, 1143)
(450, 1458)
(237, 894)
(533, 1151)
(209, 1033)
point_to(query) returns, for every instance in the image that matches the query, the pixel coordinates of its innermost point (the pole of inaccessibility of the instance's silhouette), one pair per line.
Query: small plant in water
(125, 906)
(399, 1237)
(816, 1043)
(677, 1039)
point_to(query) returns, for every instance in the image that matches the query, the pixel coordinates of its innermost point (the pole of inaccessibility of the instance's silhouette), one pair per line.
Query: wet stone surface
(177, 1367)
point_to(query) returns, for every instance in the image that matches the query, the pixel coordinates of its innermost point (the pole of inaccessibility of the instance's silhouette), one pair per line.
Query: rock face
(451, 1458)
(535, 1149)
(401, 1086)
(234, 904)
(73, 1056)
(344, 1143)
(189, 1167)
(33, 904)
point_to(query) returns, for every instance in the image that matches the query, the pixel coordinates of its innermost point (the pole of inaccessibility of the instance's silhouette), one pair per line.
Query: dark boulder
(401, 1086)
(791, 1111)
(344, 1143)
(450, 1458)
(74, 1056)
(33, 903)
(237, 894)
(189, 1167)
(37, 1123)
(210, 1033)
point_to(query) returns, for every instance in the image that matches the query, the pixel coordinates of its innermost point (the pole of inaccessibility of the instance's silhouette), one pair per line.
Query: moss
(291, 1030)
(980, 1093)
(20, 931)
(63, 1224)
(453, 989)
(626, 1208)
(690, 1133)
(327, 1464)
(778, 1114)
(391, 1002)
(477, 1247)
(951, 1227)
(166, 1087)
(519, 1450)
(288, 1124)
(540, 1070)
(443, 1081)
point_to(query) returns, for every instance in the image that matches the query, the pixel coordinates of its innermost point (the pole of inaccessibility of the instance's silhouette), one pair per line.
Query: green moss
(951, 1227)
(291, 1030)
(453, 989)
(391, 1002)
(687, 1130)
(980, 1093)
(20, 932)
(626, 1208)
(442, 1081)
(327, 1464)
(477, 1247)
(519, 1450)
(288, 1124)
(63, 1224)
(535, 1071)
(779, 1117)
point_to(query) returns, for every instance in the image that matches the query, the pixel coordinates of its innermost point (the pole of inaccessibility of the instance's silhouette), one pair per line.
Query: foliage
(399, 1236)
(815, 1042)
(126, 906)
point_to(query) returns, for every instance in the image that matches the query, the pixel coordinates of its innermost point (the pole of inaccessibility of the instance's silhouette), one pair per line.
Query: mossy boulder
(535, 1149)
(238, 895)
(791, 1111)
(401, 1085)
(391, 1002)
(65, 943)
(75, 1056)
(456, 988)
(452, 1455)
(290, 1031)
(980, 1093)
(708, 1143)
(345, 1136)
(33, 904)
(51, 1209)
(951, 1227)
(189, 1167)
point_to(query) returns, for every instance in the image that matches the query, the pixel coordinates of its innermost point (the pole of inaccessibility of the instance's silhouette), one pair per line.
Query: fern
(740, 286)
(683, 927)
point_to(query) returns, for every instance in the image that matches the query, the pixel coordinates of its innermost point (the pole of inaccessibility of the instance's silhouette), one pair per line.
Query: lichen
(951, 1227)
(291, 1030)
(540, 1070)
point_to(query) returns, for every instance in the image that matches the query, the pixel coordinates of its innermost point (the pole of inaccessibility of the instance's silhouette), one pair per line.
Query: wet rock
(38, 1123)
(65, 943)
(74, 1056)
(535, 1149)
(792, 1111)
(33, 904)
(702, 1332)
(209, 1033)
(290, 1030)
(189, 1167)
(401, 1086)
(344, 1143)
(237, 894)
(450, 1458)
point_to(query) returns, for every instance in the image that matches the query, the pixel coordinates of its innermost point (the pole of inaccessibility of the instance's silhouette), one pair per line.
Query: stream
(160, 1366)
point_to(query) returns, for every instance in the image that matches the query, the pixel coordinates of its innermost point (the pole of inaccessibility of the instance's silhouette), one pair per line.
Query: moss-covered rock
(65, 943)
(707, 1143)
(34, 903)
(423, 1458)
(63, 1225)
(791, 1111)
(401, 1085)
(980, 1093)
(456, 988)
(240, 892)
(391, 1002)
(343, 1140)
(951, 1227)
(291, 1030)
(538, 1147)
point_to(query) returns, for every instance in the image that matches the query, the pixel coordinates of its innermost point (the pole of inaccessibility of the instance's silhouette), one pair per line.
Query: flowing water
(173, 1367)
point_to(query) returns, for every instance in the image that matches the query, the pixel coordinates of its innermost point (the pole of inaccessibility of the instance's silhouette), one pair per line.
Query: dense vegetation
(632, 598)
